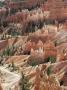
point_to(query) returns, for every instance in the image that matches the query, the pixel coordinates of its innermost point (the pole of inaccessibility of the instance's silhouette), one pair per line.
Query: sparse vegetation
(49, 70)
(2, 4)
(9, 51)
(33, 61)
(15, 33)
(24, 83)
(51, 59)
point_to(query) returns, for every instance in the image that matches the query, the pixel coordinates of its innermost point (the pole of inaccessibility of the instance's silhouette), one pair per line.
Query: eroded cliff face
(44, 77)
(43, 81)
(33, 45)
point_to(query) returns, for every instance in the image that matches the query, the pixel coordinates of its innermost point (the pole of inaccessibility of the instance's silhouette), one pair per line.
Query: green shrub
(33, 61)
(15, 33)
(2, 4)
(9, 51)
(49, 70)
(51, 59)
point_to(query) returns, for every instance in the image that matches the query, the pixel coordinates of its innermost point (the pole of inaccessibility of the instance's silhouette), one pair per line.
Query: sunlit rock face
(8, 80)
